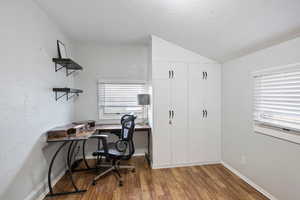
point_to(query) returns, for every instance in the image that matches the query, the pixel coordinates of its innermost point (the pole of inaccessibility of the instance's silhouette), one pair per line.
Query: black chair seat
(112, 151)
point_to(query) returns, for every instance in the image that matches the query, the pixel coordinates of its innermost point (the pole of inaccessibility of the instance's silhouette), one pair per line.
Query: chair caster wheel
(120, 183)
(94, 183)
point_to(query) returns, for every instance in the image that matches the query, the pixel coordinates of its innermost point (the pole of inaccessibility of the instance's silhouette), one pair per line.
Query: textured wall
(27, 105)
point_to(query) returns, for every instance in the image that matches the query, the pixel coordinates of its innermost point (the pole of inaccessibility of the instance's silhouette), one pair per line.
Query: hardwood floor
(208, 182)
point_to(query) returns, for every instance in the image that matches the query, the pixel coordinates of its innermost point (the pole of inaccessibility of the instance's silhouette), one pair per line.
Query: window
(117, 99)
(277, 98)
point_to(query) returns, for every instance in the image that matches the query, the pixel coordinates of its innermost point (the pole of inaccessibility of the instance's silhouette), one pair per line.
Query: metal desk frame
(71, 150)
(73, 142)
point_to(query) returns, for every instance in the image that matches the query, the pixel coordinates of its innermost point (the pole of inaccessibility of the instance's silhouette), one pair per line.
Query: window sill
(290, 136)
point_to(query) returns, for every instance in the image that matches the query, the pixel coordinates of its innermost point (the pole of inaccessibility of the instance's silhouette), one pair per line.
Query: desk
(83, 136)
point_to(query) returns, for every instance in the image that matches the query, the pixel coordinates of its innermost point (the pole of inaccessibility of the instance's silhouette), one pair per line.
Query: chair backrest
(128, 126)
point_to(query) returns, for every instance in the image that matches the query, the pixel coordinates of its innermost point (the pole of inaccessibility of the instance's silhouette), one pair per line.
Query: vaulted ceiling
(218, 29)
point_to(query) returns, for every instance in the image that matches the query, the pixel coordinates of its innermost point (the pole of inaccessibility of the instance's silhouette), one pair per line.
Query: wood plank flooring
(208, 182)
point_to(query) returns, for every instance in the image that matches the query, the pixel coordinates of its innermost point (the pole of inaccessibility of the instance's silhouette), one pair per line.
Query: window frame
(107, 120)
(269, 129)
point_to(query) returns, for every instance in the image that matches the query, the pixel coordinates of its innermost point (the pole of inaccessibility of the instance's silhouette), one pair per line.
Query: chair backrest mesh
(128, 126)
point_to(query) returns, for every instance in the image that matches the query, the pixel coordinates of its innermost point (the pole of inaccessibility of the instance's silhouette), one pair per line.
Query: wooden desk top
(86, 134)
(83, 135)
(114, 127)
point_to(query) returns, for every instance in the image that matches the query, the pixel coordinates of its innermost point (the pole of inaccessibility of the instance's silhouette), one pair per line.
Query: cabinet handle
(169, 74)
(169, 114)
(204, 75)
(203, 113)
(172, 74)
(172, 114)
(206, 113)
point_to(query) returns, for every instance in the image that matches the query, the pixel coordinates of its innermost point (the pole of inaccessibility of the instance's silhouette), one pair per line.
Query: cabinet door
(179, 96)
(196, 114)
(161, 70)
(212, 104)
(161, 127)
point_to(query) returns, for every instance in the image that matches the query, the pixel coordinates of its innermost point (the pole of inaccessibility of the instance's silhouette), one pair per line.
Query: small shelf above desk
(70, 65)
(66, 92)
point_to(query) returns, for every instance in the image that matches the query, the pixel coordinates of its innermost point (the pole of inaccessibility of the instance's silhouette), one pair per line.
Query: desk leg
(83, 155)
(74, 164)
(69, 159)
(147, 155)
(98, 147)
(50, 168)
(87, 167)
(69, 156)
(51, 193)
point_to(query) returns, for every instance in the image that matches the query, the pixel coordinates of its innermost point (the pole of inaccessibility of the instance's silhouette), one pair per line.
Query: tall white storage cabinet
(170, 107)
(186, 107)
(204, 113)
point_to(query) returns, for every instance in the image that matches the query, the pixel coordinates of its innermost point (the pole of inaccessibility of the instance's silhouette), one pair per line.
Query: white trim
(277, 133)
(184, 165)
(40, 192)
(249, 181)
(138, 154)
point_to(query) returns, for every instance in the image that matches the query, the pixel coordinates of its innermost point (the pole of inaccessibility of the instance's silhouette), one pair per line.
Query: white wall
(27, 105)
(271, 163)
(163, 50)
(121, 62)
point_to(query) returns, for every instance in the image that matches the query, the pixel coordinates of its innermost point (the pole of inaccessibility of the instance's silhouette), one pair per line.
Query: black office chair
(118, 132)
(123, 149)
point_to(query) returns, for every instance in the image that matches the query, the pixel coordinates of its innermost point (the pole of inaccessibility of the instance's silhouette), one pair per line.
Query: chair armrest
(103, 138)
(99, 136)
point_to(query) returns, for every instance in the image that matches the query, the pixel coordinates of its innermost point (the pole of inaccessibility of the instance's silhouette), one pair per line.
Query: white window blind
(277, 98)
(117, 99)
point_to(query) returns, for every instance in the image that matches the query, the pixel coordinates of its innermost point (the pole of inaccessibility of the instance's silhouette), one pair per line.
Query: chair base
(113, 167)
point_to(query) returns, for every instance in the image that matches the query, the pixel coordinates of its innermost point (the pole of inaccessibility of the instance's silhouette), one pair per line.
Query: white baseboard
(249, 181)
(185, 165)
(40, 192)
(138, 154)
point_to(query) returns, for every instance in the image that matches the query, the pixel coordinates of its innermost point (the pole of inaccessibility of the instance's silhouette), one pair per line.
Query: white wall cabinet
(179, 112)
(186, 113)
(204, 113)
(170, 109)
(186, 106)
(161, 135)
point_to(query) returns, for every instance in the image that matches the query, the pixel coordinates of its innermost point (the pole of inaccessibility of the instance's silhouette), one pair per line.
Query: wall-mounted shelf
(68, 92)
(70, 65)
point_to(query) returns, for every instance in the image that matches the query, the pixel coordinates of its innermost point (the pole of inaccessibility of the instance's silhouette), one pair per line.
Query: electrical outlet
(243, 160)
